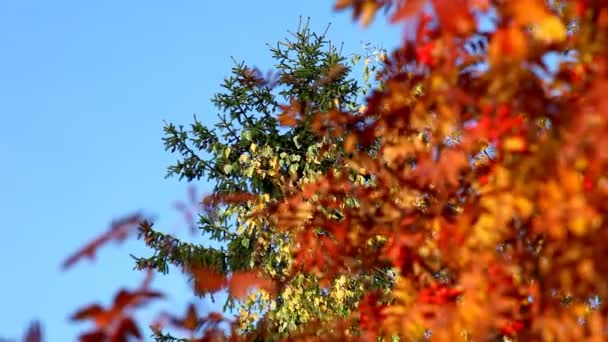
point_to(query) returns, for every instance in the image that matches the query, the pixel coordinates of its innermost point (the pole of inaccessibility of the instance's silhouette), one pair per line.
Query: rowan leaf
(33, 333)
(408, 9)
(242, 282)
(207, 280)
(550, 29)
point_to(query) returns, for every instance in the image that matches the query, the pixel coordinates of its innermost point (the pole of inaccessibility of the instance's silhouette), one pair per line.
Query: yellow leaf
(503, 177)
(550, 30)
(578, 225)
(383, 57)
(580, 163)
(368, 11)
(524, 206)
(514, 144)
(486, 230)
(530, 11)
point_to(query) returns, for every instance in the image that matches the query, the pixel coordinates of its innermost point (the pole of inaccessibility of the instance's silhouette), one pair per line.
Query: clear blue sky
(84, 87)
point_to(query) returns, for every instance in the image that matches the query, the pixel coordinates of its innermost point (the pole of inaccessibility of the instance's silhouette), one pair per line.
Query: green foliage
(248, 151)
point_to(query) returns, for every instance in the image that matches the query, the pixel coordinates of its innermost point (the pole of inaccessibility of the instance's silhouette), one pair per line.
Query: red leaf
(207, 280)
(95, 336)
(588, 183)
(115, 321)
(371, 312)
(126, 328)
(119, 230)
(438, 294)
(33, 333)
(511, 328)
(424, 54)
(215, 317)
(89, 312)
(190, 321)
(125, 298)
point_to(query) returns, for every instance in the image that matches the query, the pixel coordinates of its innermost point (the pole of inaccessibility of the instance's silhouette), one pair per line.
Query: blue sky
(84, 88)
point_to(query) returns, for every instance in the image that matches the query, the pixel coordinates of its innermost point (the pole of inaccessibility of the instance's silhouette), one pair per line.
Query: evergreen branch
(170, 250)
(159, 336)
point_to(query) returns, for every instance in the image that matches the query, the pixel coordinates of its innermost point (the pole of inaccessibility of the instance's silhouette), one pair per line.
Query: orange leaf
(507, 44)
(242, 282)
(286, 119)
(207, 280)
(350, 143)
(290, 114)
(454, 16)
(481, 5)
(88, 312)
(514, 144)
(191, 319)
(342, 4)
(368, 11)
(528, 12)
(125, 298)
(408, 10)
(294, 212)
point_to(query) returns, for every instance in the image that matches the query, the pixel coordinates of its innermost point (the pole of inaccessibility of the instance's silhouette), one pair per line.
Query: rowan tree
(465, 200)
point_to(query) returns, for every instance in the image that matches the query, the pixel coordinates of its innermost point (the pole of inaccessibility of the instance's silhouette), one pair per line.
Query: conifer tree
(247, 151)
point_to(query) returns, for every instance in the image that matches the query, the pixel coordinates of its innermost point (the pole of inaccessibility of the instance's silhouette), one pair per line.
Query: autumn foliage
(466, 201)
